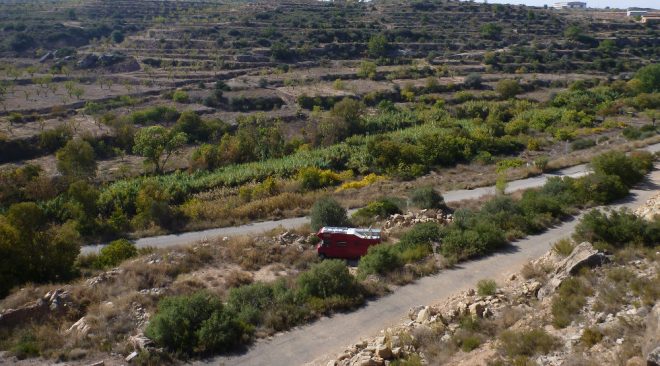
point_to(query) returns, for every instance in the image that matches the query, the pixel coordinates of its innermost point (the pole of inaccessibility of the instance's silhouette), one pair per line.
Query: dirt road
(318, 342)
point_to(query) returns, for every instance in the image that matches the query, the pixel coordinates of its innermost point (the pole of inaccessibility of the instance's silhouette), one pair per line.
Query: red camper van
(346, 243)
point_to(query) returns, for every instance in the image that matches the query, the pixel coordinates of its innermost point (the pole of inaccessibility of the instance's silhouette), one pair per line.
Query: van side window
(341, 244)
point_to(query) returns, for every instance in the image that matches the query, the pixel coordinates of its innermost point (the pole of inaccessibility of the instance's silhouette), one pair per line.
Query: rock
(423, 315)
(140, 342)
(46, 57)
(396, 352)
(412, 312)
(584, 255)
(384, 352)
(79, 329)
(395, 342)
(131, 356)
(99, 363)
(477, 309)
(653, 358)
(331, 363)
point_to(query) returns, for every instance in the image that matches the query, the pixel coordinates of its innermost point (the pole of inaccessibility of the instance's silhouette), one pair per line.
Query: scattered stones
(398, 221)
(131, 356)
(140, 342)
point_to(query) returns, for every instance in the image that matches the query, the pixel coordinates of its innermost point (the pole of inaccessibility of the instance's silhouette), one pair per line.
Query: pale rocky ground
(524, 303)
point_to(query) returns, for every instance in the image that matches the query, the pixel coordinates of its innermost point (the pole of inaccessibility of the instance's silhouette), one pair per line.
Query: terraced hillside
(127, 119)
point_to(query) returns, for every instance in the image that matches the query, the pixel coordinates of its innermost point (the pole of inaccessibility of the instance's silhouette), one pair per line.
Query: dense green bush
(199, 323)
(617, 228)
(76, 160)
(326, 279)
(116, 252)
(427, 198)
(380, 259)
(630, 169)
(327, 212)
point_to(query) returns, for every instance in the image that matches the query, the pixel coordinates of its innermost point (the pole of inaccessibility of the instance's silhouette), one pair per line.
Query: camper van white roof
(366, 233)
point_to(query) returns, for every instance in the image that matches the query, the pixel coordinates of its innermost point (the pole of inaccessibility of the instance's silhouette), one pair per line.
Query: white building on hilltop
(570, 5)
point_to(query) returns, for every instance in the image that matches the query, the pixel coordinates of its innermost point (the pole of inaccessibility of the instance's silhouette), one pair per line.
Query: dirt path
(318, 342)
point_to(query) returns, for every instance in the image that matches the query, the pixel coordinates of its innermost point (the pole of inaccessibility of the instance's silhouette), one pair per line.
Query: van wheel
(323, 257)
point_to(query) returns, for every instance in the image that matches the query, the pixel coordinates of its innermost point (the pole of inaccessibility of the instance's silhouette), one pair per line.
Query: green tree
(76, 160)
(157, 144)
(378, 46)
(327, 212)
(192, 125)
(508, 88)
(649, 78)
(491, 31)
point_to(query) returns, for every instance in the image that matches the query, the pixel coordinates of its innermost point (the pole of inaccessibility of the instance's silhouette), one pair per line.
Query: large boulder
(584, 255)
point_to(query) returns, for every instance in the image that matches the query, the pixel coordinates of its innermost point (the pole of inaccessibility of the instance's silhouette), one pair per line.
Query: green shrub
(199, 323)
(617, 229)
(26, 347)
(563, 247)
(327, 212)
(326, 279)
(422, 234)
(381, 208)
(427, 198)
(115, 253)
(380, 259)
(486, 287)
(591, 337)
(180, 96)
(527, 343)
(250, 301)
(542, 162)
(568, 301)
(630, 169)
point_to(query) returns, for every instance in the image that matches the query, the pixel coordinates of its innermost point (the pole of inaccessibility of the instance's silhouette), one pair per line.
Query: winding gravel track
(164, 241)
(318, 342)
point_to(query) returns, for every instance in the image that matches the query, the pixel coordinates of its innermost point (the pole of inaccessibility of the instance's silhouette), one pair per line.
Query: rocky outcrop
(399, 221)
(53, 303)
(584, 255)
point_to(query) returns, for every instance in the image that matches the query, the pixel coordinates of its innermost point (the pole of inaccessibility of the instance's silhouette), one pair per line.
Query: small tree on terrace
(158, 144)
(508, 88)
(378, 46)
(76, 160)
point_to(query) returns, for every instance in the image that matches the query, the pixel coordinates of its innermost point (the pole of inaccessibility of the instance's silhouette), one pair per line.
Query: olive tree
(157, 144)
